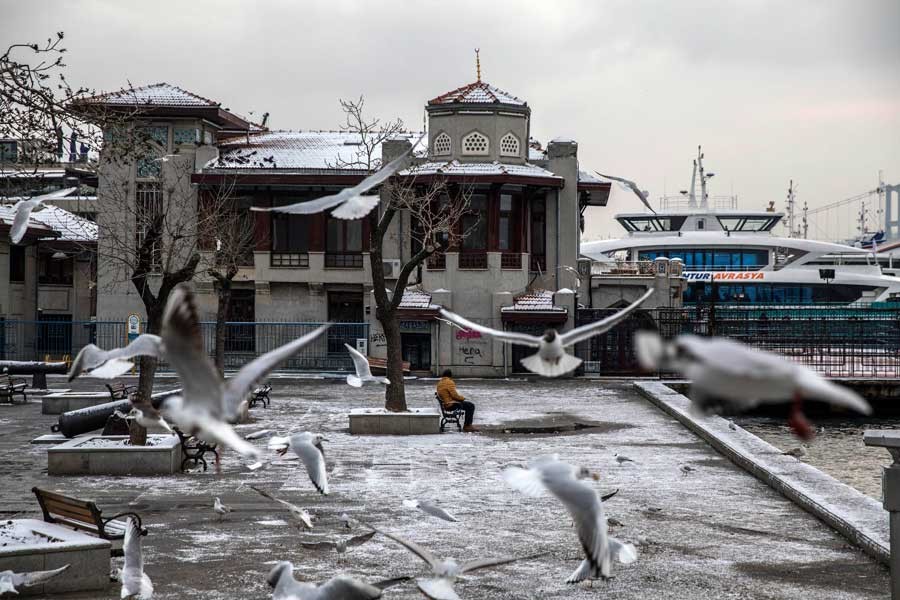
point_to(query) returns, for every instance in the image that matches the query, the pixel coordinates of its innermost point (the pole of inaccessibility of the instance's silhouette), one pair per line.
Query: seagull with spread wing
(10, 581)
(551, 359)
(431, 509)
(308, 448)
(363, 371)
(207, 402)
(24, 209)
(109, 364)
(728, 377)
(564, 481)
(301, 515)
(627, 183)
(446, 571)
(351, 202)
(135, 583)
(340, 546)
(281, 578)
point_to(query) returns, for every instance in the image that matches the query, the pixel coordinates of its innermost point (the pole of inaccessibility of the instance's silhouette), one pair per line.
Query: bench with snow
(10, 386)
(379, 365)
(84, 515)
(260, 396)
(120, 391)
(450, 415)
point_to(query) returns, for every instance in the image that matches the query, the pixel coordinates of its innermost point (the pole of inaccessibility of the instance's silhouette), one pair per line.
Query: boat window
(701, 223)
(748, 223)
(771, 293)
(652, 223)
(713, 259)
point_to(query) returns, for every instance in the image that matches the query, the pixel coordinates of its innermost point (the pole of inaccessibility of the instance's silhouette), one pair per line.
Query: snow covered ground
(717, 533)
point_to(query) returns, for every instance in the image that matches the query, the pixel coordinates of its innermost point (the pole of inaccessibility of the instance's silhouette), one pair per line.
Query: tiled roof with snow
(157, 94)
(536, 154)
(417, 300)
(314, 151)
(71, 227)
(534, 301)
(478, 92)
(454, 167)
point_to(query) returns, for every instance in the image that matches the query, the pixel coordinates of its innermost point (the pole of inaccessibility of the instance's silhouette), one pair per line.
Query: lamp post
(890, 491)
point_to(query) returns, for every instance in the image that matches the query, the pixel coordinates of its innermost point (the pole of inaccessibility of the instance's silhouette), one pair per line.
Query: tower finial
(478, 63)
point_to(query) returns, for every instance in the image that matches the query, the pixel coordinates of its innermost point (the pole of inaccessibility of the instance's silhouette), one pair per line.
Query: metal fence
(836, 341)
(55, 340)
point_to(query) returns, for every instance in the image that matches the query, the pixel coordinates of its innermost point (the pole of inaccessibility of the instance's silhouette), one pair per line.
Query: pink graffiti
(467, 334)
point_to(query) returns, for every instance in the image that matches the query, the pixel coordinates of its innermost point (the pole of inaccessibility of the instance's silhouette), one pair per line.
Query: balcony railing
(511, 260)
(298, 260)
(343, 260)
(473, 260)
(436, 262)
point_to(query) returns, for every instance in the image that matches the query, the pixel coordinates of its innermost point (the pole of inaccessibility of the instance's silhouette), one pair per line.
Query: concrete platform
(60, 402)
(77, 457)
(87, 556)
(380, 421)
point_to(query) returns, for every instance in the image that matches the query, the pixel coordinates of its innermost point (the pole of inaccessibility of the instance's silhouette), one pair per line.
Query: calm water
(838, 450)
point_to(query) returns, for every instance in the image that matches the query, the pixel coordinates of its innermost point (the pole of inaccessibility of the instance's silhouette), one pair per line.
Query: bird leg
(798, 422)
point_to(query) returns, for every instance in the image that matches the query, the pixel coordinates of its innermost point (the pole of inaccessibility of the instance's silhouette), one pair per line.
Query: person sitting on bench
(446, 391)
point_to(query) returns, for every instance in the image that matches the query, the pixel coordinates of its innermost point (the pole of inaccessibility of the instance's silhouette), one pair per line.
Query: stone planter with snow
(31, 545)
(60, 402)
(381, 421)
(113, 455)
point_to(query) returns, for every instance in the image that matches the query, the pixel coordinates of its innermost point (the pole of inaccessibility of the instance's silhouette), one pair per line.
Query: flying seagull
(363, 372)
(340, 546)
(728, 377)
(23, 209)
(145, 413)
(431, 509)
(221, 508)
(109, 364)
(135, 583)
(11, 581)
(627, 183)
(446, 571)
(308, 447)
(350, 202)
(551, 359)
(281, 578)
(207, 401)
(301, 515)
(584, 505)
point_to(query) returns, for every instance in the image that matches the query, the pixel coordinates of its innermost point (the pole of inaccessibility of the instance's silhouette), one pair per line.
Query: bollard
(890, 492)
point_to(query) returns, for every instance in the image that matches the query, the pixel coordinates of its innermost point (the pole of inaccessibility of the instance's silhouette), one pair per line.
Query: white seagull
(24, 208)
(728, 377)
(584, 505)
(431, 509)
(363, 372)
(621, 460)
(686, 470)
(446, 571)
(135, 583)
(308, 447)
(798, 452)
(281, 578)
(627, 183)
(10, 581)
(207, 401)
(350, 202)
(340, 546)
(221, 508)
(551, 359)
(109, 364)
(301, 515)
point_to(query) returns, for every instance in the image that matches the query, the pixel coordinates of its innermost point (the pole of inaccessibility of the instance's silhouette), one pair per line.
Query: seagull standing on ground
(621, 460)
(431, 509)
(686, 470)
(798, 452)
(584, 505)
(350, 202)
(281, 578)
(10, 581)
(221, 509)
(135, 583)
(551, 359)
(301, 515)
(729, 377)
(24, 208)
(340, 546)
(363, 371)
(308, 447)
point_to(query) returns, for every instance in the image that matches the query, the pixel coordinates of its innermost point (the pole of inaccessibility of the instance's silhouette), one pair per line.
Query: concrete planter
(60, 402)
(51, 546)
(380, 421)
(111, 455)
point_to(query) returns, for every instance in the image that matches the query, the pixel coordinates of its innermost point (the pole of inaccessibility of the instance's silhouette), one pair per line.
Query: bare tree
(435, 212)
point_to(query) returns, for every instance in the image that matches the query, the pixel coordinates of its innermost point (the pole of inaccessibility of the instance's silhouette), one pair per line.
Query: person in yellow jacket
(450, 398)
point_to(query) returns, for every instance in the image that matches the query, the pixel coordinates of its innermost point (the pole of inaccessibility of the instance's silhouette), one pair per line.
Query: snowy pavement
(716, 533)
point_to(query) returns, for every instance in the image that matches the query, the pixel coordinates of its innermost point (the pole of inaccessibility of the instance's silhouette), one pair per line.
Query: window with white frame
(475, 143)
(442, 144)
(509, 145)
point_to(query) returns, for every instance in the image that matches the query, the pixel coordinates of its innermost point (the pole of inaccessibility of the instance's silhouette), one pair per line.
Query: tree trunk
(138, 433)
(224, 289)
(395, 394)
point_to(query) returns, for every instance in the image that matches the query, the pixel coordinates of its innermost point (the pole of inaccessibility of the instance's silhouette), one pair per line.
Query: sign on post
(133, 329)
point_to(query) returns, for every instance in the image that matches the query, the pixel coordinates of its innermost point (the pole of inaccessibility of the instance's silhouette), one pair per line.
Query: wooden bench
(450, 415)
(85, 516)
(260, 396)
(10, 386)
(120, 391)
(380, 365)
(193, 450)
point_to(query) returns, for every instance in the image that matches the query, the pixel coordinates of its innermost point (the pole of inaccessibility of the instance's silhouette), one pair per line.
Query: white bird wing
(237, 388)
(356, 207)
(214, 430)
(633, 187)
(293, 508)
(92, 358)
(437, 511)
(24, 208)
(35, 577)
(504, 336)
(439, 588)
(360, 363)
(413, 547)
(734, 358)
(111, 369)
(579, 334)
(814, 387)
(313, 459)
(485, 563)
(527, 481)
(345, 588)
(584, 505)
(131, 547)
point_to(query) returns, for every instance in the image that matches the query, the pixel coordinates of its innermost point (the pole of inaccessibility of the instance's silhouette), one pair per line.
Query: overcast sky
(802, 89)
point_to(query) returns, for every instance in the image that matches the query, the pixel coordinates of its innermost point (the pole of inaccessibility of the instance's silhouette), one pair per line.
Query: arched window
(442, 144)
(476, 143)
(509, 145)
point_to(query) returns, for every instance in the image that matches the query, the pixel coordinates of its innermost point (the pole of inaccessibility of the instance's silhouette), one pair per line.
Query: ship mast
(790, 209)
